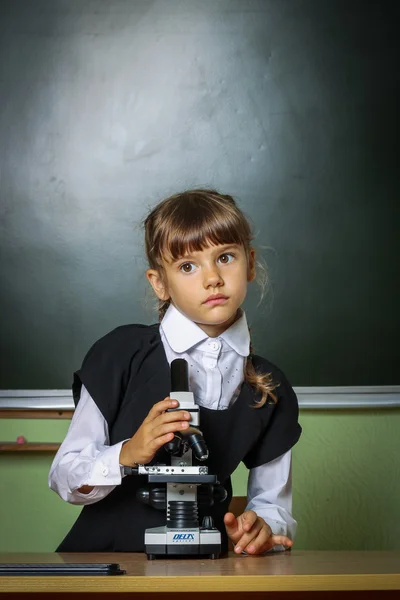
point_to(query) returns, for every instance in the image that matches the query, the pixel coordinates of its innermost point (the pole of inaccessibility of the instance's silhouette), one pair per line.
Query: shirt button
(105, 471)
(215, 346)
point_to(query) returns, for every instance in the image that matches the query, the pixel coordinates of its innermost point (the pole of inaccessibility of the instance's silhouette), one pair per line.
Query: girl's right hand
(156, 430)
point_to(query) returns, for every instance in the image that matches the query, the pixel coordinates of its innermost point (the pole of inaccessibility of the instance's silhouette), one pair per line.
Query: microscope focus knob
(207, 523)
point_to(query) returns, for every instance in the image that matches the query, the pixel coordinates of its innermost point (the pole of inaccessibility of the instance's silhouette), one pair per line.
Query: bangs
(190, 221)
(195, 225)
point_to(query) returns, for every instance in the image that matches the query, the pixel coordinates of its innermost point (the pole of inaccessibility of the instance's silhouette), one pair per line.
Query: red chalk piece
(21, 439)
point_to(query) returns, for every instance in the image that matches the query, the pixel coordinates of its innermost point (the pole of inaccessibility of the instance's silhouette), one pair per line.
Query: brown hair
(188, 222)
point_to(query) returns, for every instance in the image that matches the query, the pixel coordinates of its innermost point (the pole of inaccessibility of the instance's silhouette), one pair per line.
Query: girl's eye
(187, 267)
(225, 259)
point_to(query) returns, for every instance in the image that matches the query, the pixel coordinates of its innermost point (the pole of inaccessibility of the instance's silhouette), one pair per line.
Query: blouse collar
(182, 333)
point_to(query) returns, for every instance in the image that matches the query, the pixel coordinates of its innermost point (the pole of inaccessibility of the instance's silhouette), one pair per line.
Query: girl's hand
(251, 534)
(156, 430)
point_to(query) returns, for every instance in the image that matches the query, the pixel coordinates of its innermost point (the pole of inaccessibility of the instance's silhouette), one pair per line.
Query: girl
(198, 246)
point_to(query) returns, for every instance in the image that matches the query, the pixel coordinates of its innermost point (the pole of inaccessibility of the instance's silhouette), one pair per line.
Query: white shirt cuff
(105, 469)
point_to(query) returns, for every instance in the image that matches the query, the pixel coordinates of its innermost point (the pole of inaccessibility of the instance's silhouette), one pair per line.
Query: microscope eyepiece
(191, 438)
(179, 375)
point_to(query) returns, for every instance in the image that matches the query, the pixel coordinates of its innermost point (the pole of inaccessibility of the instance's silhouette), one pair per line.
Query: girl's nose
(212, 277)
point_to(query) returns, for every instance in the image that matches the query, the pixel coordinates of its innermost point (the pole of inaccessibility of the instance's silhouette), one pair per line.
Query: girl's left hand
(251, 534)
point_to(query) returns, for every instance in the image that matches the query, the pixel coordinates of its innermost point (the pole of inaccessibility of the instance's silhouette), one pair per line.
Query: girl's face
(207, 286)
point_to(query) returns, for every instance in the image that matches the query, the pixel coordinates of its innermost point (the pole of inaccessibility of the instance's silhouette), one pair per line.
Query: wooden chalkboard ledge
(34, 413)
(28, 447)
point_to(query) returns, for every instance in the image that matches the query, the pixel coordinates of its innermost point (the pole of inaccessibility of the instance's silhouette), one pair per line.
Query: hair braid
(163, 306)
(260, 382)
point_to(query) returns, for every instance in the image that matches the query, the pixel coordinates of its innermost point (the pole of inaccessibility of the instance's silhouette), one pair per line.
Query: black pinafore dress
(126, 372)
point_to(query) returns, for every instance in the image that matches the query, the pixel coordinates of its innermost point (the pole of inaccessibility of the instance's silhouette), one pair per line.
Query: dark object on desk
(61, 569)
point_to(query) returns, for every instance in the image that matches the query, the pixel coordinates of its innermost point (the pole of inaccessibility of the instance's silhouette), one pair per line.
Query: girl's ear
(251, 269)
(157, 284)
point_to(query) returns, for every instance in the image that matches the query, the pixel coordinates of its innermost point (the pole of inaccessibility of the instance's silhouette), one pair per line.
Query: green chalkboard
(292, 107)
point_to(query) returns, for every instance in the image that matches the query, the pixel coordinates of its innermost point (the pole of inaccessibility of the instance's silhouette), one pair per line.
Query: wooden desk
(294, 575)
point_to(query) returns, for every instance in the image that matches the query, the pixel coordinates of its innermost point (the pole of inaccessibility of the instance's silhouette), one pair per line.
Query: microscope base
(162, 542)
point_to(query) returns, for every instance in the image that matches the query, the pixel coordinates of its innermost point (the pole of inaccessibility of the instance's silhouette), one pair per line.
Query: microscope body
(182, 535)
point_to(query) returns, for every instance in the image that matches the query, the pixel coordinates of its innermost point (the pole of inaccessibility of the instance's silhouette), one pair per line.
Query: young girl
(198, 246)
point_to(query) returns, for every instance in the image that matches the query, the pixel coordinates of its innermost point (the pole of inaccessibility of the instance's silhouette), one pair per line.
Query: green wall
(346, 484)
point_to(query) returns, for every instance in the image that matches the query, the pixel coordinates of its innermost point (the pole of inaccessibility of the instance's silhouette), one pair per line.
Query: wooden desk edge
(254, 583)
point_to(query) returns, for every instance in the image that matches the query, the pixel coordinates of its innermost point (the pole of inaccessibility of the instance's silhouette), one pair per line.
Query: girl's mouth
(216, 299)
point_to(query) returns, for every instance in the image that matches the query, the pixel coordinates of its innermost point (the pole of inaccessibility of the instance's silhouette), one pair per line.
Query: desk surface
(288, 571)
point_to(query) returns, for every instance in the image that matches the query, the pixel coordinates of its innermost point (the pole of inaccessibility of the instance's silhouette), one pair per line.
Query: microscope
(187, 486)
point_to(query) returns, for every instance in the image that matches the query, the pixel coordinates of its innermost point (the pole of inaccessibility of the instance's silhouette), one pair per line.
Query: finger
(249, 517)
(247, 538)
(231, 525)
(160, 441)
(168, 428)
(250, 525)
(160, 407)
(280, 540)
(260, 543)
(276, 540)
(171, 417)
